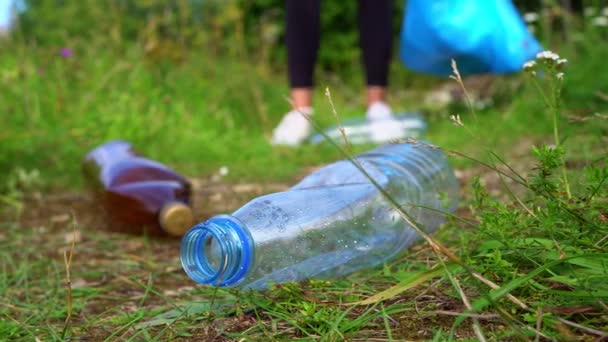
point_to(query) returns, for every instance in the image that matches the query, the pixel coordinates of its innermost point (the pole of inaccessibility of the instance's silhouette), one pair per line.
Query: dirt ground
(126, 264)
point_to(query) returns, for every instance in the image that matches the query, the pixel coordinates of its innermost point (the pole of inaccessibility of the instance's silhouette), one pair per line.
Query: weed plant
(524, 258)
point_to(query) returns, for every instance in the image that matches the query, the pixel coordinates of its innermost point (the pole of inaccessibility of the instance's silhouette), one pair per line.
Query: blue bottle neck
(218, 252)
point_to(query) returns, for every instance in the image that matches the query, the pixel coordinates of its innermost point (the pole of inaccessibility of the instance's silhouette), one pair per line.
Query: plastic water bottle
(362, 130)
(137, 193)
(333, 222)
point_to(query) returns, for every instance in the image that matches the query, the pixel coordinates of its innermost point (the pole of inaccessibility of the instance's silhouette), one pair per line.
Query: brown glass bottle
(136, 193)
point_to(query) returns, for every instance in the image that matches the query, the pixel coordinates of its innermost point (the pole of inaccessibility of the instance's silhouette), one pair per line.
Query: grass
(517, 228)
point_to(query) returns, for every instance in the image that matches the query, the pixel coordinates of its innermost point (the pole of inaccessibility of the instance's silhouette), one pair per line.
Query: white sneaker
(383, 126)
(379, 111)
(293, 128)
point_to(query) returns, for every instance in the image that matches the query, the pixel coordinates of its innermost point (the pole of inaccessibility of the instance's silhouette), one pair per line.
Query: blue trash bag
(8, 12)
(483, 36)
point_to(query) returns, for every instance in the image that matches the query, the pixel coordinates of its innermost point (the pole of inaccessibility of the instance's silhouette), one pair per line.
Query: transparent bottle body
(335, 221)
(361, 130)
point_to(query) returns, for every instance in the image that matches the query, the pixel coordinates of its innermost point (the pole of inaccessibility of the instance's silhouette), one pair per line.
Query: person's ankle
(306, 110)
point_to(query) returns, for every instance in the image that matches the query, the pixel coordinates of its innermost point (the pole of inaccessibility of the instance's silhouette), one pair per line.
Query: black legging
(303, 34)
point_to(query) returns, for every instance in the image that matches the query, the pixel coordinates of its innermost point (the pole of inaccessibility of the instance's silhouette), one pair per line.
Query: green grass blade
(408, 283)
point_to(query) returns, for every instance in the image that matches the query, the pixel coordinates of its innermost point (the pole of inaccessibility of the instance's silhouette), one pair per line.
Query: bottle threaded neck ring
(217, 252)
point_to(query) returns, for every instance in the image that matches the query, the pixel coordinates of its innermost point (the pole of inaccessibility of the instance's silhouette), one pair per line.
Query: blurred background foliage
(254, 29)
(186, 21)
(172, 31)
(250, 28)
(212, 72)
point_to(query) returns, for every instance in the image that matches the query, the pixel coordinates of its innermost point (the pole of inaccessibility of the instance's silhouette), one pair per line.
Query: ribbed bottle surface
(335, 221)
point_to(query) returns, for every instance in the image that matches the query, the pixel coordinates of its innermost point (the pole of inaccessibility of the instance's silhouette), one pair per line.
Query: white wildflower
(589, 11)
(600, 21)
(547, 55)
(531, 17)
(223, 171)
(456, 120)
(560, 76)
(605, 11)
(529, 65)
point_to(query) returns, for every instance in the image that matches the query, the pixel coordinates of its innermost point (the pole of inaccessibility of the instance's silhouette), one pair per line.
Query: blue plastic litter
(483, 36)
(333, 222)
(8, 10)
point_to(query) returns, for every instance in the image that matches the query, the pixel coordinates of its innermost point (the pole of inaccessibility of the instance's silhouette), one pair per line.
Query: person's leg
(376, 38)
(301, 97)
(302, 40)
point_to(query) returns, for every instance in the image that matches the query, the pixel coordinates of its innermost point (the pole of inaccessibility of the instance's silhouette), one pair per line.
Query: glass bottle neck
(218, 252)
(175, 218)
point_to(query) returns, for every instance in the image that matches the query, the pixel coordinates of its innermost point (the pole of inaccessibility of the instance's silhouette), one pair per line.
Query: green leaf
(218, 306)
(490, 245)
(596, 264)
(494, 295)
(411, 281)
